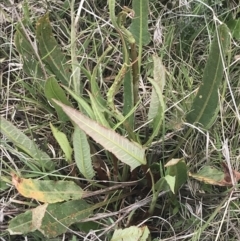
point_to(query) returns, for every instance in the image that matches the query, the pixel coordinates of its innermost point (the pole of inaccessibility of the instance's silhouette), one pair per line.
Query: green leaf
(31, 65)
(63, 142)
(128, 97)
(50, 219)
(82, 153)
(171, 180)
(99, 114)
(139, 26)
(53, 90)
(3, 185)
(178, 169)
(86, 109)
(47, 191)
(158, 119)
(161, 185)
(50, 52)
(128, 152)
(205, 106)
(159, 79)
(234, 26)
(93, 83)
(132, 233)
(19, 139)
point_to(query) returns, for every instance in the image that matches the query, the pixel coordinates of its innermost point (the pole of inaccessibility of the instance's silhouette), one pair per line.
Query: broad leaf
(132, 233)
(171, 180)
(50, 52)
(205, 106)
(234, 26)
(63, 142)
(211, 175)
(47, 191)
(19, 139)
(177, 168)
(82, 153)
(128, 152)
(50, 219)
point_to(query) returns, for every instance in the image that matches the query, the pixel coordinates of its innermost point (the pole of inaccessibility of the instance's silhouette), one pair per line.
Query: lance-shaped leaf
(139, 26)
(22, 141)
(31, 65)
(63, 142)
(128, 152)
(157, 121)
(159, 79)
(50, 52)
(50, 219)
(82, 153)
(205, 106)
(47, 191)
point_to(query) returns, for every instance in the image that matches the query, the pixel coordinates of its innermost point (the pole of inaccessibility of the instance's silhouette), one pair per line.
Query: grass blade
(53, 90)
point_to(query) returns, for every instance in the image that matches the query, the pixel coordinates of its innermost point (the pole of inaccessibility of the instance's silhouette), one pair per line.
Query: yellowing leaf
(209, 175)
(132, 233)
(213, 176)
(47, 191)
(172, 162)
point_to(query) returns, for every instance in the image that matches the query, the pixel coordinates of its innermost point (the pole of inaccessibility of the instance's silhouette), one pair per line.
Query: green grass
(197, 211)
